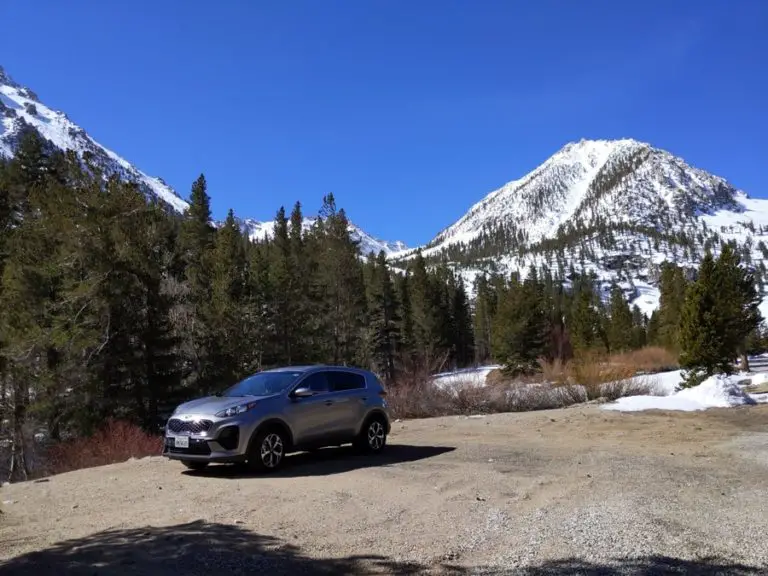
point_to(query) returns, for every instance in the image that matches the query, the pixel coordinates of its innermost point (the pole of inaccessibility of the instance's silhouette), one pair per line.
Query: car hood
(210, 405)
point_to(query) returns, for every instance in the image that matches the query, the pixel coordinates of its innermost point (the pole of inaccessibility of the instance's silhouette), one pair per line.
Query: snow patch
(472, 377)
(715, 392)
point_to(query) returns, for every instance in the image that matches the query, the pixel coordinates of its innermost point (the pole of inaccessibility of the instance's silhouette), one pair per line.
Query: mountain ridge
(20, 107)
(615, 208)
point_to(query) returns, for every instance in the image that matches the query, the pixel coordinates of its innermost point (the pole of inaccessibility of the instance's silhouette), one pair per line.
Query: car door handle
(328, 402)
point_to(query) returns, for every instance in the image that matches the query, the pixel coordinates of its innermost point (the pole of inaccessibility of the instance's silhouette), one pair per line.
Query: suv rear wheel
(267, 450)
(373, 435)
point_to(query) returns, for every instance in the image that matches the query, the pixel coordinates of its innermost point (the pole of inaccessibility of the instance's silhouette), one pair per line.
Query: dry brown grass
(593, 375)
(596, 368)
(648, 360)
(590, 376)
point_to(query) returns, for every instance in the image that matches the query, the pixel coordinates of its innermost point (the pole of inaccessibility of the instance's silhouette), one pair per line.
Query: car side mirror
(302, 392)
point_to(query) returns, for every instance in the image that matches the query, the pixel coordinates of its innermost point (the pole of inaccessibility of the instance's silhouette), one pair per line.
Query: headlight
(235, 410)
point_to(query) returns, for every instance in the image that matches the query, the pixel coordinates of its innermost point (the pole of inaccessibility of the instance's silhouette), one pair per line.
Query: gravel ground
(573, 491)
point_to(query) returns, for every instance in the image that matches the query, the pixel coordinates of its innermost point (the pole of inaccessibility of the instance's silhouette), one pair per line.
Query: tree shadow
(328, 461)
(198, 548)
(189, 549)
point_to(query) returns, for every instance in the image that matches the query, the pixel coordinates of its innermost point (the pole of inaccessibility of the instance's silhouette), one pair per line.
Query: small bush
(422, 400)
(637, 386)
(117, 441)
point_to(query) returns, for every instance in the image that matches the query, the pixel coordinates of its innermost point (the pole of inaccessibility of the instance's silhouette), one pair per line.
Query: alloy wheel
(272, 450)
(375, 435)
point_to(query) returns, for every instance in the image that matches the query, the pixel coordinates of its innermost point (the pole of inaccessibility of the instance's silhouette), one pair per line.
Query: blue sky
(408, 111)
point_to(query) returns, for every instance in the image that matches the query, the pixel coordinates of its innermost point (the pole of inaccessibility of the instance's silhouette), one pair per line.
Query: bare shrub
(117, 441)
(637, 386)
(593, 375)
(590, 376)
(422, 400)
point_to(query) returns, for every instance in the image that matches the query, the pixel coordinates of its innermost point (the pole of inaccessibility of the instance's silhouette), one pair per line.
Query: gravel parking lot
(573, 491)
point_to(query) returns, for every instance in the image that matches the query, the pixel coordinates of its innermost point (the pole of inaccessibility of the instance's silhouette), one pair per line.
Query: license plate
(181, 442)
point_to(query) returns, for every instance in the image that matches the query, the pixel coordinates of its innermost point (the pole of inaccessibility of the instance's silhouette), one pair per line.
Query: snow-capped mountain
(617, 181)
(617, 208)
(260, 230)
(20, 108)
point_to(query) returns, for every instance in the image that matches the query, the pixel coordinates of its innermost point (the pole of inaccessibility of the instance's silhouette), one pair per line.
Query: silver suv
(260, 419)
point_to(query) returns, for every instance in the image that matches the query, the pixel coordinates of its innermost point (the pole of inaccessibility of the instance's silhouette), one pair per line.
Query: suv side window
(341, 381)
(317, 382)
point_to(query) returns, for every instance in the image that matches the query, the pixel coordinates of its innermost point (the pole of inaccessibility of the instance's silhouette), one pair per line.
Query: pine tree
(462, 322)
(281, 279)
(585, 323)
(620, 324)
(383, 319)
(639, 328)
(229, 351)
(483, 319)
(405, 313)
(259, 310)
(196, 240)
(340, 278)
(701, 340)
(739, 299)
(652, 330)
(672, 286)
(720, 312)
(424, 311)
(521, 326)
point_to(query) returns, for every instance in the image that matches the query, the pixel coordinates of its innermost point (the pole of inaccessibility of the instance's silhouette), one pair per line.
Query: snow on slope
(257, 230)
(20, 107)
(616, 209)
(466, 377)
(614, 180)
(567, 174)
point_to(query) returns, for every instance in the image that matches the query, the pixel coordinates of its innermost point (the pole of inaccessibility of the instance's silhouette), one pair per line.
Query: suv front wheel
(267, 450)
(373, 435)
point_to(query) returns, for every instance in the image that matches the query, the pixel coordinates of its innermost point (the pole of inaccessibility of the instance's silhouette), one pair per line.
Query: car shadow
(328, 461)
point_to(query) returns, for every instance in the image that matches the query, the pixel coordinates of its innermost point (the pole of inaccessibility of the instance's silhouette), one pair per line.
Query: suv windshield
(262, 384)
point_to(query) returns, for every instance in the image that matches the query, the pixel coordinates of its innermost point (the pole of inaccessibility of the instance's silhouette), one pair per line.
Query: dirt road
(559, 492)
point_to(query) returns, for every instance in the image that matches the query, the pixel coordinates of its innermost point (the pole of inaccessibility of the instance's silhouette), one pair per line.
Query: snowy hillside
(20, 107)
(617, 181)
(616, 208)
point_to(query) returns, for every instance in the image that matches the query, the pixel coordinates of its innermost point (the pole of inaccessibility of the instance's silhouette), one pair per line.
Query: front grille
(197, 447)
(191, 426)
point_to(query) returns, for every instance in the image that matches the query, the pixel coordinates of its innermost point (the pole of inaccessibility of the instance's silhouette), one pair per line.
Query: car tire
(267, 450)
(195, 465)
(373, 435)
